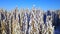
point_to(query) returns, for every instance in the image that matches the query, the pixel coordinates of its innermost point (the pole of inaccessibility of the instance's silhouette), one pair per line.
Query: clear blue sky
(44, 4)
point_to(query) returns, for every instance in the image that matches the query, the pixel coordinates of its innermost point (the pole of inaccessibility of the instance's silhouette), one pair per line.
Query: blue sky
(43, 4)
